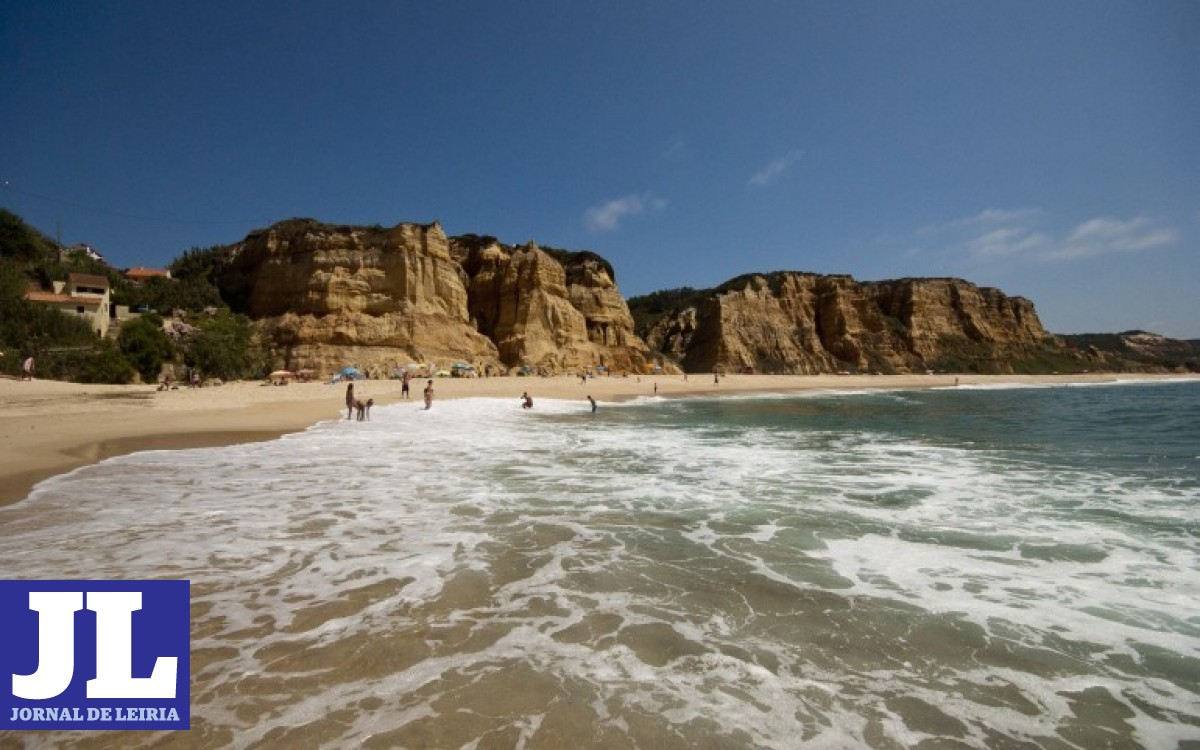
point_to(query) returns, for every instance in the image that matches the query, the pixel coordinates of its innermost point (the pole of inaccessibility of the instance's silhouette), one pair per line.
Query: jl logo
(95, 654)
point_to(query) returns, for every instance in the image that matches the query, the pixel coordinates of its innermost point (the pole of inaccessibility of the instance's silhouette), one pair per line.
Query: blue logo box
(95, 655)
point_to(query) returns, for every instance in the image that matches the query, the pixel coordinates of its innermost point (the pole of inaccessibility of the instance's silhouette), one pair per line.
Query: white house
(81, 294)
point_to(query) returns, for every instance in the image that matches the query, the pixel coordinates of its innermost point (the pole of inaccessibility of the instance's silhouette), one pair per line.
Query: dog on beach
(364, 409)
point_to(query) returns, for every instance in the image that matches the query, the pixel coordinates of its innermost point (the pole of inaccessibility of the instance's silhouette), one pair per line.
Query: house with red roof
(82, 294)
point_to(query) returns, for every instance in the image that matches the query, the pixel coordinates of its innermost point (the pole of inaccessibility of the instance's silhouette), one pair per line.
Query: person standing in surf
(349, 400)
(429, 396)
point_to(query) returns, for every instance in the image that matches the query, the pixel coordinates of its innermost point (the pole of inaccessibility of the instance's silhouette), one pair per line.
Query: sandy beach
(49, 427)
(857, 569)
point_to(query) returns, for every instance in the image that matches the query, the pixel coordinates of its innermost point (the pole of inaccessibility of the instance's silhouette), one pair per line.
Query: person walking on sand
(593, 402)
(28, 368)
(350, 405)
(429, 396)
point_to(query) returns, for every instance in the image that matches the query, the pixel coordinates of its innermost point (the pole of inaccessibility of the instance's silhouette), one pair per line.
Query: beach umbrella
(281, 375)
(350, 372)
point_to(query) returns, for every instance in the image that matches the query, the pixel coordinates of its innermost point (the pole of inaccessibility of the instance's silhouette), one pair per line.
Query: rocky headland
(324, 296)
(803, 323)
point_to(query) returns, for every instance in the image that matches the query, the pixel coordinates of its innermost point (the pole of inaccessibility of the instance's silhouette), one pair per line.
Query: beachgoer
(28, 368)
(526, 401)
(404, 384)
(350, 400)
(429, 396)
(593, 404)
(656, 387)
(716, 378)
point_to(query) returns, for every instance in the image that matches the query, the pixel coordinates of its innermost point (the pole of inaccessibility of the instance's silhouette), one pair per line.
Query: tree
(164, 295)
(222, 346)
(198, 264)
(21, 242)
(145, 346)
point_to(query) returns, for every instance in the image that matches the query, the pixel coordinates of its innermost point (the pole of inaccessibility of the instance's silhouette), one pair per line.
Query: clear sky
(1051, 149)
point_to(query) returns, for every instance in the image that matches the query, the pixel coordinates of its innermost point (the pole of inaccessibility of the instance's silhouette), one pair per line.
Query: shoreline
(55, 427)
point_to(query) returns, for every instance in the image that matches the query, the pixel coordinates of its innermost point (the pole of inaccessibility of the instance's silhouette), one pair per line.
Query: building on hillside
(138, 274)
(82, 294)
(74, 251)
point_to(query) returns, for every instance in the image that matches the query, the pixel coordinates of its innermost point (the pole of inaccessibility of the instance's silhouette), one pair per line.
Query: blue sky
(1048, 149)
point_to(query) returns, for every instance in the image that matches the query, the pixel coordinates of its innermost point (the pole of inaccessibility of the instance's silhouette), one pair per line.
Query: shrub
(105, 364)
(145, 346)
(222, 346)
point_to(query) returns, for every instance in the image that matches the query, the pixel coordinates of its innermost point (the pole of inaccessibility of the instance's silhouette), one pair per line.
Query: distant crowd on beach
(360, 409)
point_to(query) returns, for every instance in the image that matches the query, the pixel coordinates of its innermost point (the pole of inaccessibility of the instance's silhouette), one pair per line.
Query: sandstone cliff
(559, 312)
(326, 296)
(805, 323)
(329, 296)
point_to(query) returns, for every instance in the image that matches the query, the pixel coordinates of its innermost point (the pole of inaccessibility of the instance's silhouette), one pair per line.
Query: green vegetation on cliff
(27, 257)
(218, 342)
(1138, 350)
(648, 309)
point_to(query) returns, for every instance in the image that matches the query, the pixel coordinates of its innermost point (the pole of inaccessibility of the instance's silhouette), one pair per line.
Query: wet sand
(49, 427)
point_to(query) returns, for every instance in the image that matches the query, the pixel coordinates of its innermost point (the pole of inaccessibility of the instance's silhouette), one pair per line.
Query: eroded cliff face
(545, 314)
(802, 323)
(327, 296)
(330, 296)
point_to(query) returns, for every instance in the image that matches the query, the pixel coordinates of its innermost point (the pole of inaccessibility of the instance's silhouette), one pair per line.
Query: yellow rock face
(798, 323)
(328, 296)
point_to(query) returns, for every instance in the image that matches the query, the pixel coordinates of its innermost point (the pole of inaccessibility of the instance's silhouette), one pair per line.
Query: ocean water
(957, 568)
